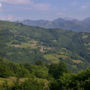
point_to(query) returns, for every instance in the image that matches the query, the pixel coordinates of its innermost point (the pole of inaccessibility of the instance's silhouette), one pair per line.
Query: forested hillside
(41, 76)
(24, 44)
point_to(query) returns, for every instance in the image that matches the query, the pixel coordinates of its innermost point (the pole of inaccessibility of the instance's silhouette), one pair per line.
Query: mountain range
(66, 24)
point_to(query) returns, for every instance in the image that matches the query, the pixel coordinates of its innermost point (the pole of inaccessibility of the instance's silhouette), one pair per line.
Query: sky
(44, 9)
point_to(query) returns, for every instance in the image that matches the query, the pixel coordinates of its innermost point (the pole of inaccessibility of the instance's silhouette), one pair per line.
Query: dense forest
(41, 76)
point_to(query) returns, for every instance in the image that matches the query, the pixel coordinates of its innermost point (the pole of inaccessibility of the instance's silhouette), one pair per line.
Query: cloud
(25, 8)
(17, 1)
(10, 17)
(60, 14)
(41, 6)
(31, 3)
(0, 5)
(74, 3)
(83, 6)
(6, 17)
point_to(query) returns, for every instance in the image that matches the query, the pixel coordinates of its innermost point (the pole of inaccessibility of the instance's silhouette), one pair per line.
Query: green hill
(24, 44)
(41, 76)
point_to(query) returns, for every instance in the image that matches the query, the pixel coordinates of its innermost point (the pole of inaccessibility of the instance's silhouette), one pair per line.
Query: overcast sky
(44, 9)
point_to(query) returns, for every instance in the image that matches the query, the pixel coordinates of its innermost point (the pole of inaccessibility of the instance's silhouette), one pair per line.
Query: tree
(39, 62)
(57, 70)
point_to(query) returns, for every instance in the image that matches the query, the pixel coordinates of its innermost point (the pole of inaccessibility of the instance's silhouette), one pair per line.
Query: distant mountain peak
(64, 23)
